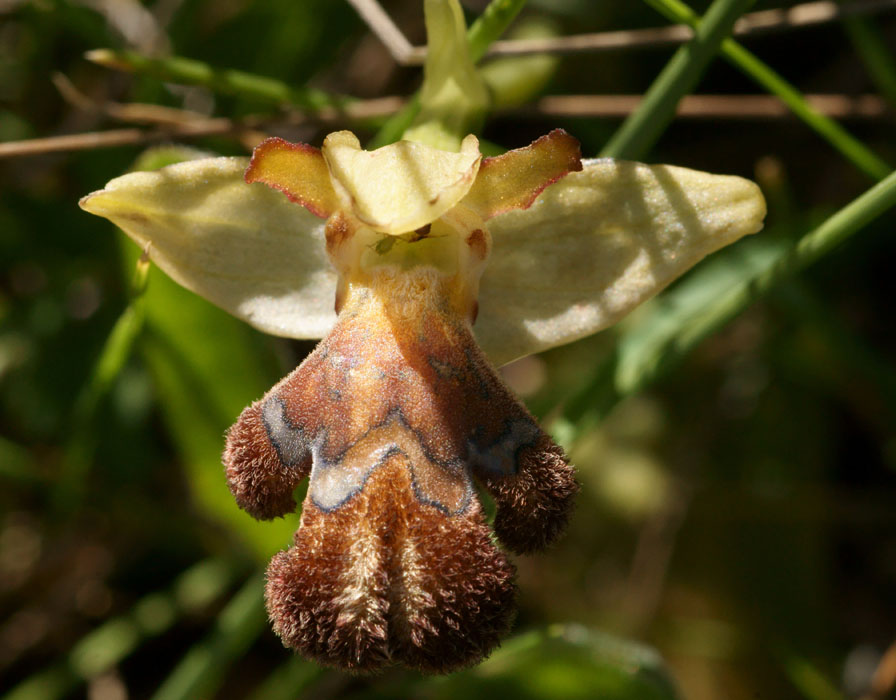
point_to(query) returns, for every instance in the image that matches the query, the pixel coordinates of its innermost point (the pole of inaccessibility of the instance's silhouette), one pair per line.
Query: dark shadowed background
(738, 512)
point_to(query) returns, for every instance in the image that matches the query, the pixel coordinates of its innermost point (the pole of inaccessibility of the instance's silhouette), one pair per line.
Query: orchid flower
(421, 268)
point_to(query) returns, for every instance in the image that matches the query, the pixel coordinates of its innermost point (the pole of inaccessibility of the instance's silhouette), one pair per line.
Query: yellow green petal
(296, 169)
(513, 180)
(400, 187)
(598, 243)
(243, 247)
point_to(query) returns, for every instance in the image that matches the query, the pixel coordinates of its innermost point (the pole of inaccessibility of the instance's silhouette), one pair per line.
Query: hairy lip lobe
(393, 562)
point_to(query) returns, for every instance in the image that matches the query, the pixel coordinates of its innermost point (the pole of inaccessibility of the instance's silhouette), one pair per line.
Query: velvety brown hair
(393, 415)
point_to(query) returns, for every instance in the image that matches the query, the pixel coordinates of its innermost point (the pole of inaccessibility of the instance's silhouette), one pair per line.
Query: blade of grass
(487, 27)
(198, 391)
(177, 69)
(680, 76)
(115, 640)
(568, 660)
(663, 336)
(851, 148)
(69, 487)
(811, 683)
(205, 666)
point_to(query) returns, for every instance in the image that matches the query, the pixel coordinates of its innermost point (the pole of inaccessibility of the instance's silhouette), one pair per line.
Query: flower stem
(491, 24)
(853, 149)
(487, 27)
(187, 71)
(680, 76)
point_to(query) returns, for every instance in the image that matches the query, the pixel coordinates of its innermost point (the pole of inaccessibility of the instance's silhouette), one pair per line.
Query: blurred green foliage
(737, 512)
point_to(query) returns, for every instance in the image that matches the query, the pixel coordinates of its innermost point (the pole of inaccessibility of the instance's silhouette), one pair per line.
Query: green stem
(177, 69)
(811, 683)
(491, 24)
(486, 29)
(115, 353)
(680, 76)
(850, 147)
(204, 667)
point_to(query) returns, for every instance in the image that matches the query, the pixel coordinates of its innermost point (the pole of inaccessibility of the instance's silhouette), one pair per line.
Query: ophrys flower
(398, 411)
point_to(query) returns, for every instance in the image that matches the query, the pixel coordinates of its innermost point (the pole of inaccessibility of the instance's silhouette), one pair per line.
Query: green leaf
(207, 366)
(563, 662)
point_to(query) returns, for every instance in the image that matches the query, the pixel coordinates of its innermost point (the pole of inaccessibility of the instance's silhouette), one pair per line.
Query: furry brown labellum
(397, 412)
(393, 416)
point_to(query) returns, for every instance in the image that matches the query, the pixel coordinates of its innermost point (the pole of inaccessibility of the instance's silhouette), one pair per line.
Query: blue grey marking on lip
(454, 465)
(500, 457)
(334, 481)
(288, 440)
(331, 485)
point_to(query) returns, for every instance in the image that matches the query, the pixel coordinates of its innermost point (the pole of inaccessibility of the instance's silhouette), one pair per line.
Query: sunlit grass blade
(644, 126)
(854, 150)
(811, 683)
(675, 323)
(113, 641)
(561, 661)
(187, 71)
(486, 29)
(115, 353)
(205, 666)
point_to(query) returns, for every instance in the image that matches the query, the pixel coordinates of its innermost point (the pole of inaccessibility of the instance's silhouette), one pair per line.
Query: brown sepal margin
(559, 148)
(321, 206)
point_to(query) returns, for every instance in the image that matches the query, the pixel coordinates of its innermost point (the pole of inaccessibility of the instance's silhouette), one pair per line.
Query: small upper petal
(400, 187)
(296, 169)
(514, 180)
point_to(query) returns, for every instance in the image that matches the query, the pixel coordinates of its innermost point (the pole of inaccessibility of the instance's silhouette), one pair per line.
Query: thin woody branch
(708, 106)
(171, 124)
(765, 21)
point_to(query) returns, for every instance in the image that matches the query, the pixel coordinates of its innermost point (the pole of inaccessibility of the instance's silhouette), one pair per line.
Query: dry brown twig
(765, 21)
(171, 124)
